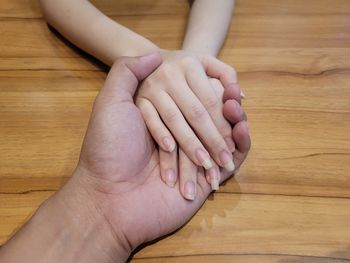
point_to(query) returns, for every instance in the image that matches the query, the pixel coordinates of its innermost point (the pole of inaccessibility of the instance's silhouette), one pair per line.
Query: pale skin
(179, 103)
(101, 214)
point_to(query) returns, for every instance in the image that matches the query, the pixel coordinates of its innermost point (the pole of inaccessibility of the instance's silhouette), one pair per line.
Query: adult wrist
(68, 227)
(82, 220)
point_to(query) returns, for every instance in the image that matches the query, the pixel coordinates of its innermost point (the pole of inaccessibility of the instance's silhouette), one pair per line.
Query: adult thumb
(126, 73)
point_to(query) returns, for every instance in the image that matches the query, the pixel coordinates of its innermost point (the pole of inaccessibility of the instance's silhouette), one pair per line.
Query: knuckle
(120, 62)
(170, 115)
(144, 108)
(188, 61)
(166, 70)
(146, 84)
(189, 142)
(225, 129)
(145, 112)
(196, 112)
(211, 102)
(139, 103)
(120, 65)
(218, 144)
(148, 89)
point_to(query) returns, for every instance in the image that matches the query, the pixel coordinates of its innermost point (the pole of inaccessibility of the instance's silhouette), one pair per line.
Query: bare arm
(178, 90)
(207, 26)
(84, 25)
(88, 28)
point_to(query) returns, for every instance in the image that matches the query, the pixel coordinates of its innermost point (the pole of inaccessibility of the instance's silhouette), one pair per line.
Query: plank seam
(245, 254)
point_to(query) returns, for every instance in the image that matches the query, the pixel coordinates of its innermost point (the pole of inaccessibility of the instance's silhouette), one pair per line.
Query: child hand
(179, 97)
(173, 164)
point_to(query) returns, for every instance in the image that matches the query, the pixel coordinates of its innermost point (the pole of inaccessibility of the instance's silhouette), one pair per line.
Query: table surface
(291, 200)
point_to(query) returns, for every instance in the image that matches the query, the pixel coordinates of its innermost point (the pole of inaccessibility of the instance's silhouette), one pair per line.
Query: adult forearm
(66, 228)
(88, 28)
(207, 26)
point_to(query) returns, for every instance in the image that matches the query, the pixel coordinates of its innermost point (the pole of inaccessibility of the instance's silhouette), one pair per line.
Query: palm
(126, 161)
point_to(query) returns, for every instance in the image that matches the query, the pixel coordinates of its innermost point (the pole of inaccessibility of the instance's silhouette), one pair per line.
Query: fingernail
(246, 123)
(170, 177)
(214, 178)
(204, 159)
(242, 95)
(226, 160)
(169, 144)
(230, 144)
(190, 190)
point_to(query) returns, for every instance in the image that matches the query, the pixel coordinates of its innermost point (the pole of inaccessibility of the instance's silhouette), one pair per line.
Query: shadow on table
(80, 53)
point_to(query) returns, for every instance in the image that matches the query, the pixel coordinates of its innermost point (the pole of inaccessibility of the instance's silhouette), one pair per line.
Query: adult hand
(115, 200)
(119, 154)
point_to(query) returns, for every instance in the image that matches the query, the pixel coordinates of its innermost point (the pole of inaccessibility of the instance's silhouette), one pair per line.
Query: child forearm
(85, 26)
(207, 26)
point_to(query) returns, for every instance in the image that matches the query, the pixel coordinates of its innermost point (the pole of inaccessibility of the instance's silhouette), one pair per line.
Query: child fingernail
(214, 178)
(190, 190)
(242, 95)
(170, 177)
(169, 144)
(226, 161)
(204, 159)
(230, 144)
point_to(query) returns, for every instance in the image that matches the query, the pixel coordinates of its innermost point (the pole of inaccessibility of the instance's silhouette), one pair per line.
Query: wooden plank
(290, 200)
(304, 63)
(255, 224)
(318, 61)
(58, 111)
(30, 38)
(295, 7)
(299, 31)
(15, 209)
(31, 9)
(241, 259)
(248, 225)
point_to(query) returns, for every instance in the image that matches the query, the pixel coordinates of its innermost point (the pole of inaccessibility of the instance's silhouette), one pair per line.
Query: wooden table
(291, 200)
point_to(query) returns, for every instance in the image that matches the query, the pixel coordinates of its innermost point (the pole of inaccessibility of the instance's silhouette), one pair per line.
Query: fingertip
(204, 159)
(232, 92)
(142, 66)
(168, 167)
(233, 111)
(190, 190)
(153, 59)
(240, 134)
(214, 178)
(242, 95)
(170, 178)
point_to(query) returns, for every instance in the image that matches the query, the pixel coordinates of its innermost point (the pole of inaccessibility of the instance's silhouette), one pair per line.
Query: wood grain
(290, 202)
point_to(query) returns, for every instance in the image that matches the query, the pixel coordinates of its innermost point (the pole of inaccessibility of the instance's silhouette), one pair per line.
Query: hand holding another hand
(121, 163)
(115, 199)
(179, 103)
